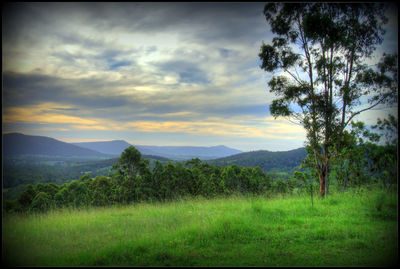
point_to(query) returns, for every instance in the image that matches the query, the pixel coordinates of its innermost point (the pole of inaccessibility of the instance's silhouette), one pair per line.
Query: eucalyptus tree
(130, 163)
(319, 62)
(132, 175)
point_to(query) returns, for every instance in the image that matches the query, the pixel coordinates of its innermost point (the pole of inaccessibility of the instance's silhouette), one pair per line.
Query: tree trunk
(326, 180)
(322, 181)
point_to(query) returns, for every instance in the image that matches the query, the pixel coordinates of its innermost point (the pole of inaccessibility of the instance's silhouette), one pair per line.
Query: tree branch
(365, 109)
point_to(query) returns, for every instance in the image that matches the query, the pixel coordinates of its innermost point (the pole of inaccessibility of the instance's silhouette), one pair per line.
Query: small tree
(387, 157)
(133, 176)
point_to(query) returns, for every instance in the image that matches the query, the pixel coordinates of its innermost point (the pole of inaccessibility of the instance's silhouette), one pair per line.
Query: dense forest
(29, 170)
(32, 169)
(266, 160)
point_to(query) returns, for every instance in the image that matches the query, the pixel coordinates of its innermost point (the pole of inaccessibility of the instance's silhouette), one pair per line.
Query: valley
(65, 162)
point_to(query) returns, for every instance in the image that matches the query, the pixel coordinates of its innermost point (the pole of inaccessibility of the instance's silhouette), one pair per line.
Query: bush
(384, 205)
(26, 197)
(101, 190)
(280, 186)
(11, 206)
(41, 202)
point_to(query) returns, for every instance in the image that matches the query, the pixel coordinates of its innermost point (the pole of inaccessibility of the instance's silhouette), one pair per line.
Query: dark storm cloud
(34, 89)
(206, 21)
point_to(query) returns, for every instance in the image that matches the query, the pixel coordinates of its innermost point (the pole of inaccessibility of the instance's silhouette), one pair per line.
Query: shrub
(384, 205)
(26, 197)
(41, 202)
(11, 206)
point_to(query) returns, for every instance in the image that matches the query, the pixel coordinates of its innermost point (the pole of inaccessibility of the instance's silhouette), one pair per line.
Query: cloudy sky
(147, 73)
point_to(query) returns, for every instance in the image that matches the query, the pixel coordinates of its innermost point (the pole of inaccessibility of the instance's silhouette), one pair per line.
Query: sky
(147, 73)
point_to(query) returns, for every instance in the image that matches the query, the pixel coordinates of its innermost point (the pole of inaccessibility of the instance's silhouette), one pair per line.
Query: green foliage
(266, 160)
(85, 178)
(384, 205)
(101, 191)
(26, 197)
(50, 189)
(30, 171)
(280, 186)
(360, 162)
(134, 182)
(20, 171)
(389, 129)
(41, 202)
(79, 192)
(131, 163)
(12, 206)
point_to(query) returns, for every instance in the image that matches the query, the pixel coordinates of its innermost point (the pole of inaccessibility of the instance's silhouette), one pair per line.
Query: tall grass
(346, 229)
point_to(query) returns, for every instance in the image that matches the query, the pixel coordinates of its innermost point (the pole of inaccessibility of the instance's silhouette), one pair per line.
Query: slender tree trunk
(322, 180)
(346, 176)
(326, 180)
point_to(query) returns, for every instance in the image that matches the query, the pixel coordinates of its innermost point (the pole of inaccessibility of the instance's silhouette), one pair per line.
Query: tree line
(133, 180)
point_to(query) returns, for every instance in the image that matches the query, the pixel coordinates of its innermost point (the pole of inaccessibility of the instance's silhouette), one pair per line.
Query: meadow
(353, 228)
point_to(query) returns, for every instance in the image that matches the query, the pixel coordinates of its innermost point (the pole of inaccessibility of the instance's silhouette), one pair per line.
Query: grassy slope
(344, 229)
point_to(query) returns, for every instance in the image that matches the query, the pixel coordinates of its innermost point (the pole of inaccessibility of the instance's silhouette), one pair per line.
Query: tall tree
(319, 54)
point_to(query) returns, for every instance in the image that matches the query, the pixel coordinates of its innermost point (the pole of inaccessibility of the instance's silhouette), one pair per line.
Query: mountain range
(29, 159)
(114, 147)
(19, 144)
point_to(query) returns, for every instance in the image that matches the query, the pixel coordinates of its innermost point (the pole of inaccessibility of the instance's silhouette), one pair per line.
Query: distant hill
(189, 152)
(20, 144)
(265, 159)
(23, 170)
(15, 144)
(114, 147)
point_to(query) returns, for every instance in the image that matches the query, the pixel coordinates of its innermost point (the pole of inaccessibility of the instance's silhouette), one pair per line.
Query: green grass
(343, 230)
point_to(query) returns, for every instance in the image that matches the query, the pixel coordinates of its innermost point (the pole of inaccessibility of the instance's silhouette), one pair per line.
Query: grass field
(347, 229)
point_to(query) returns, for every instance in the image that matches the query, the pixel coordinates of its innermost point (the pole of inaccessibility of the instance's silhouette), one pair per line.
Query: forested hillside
(19, 172)
(266, 160)
(132, 180)
(32, 169)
